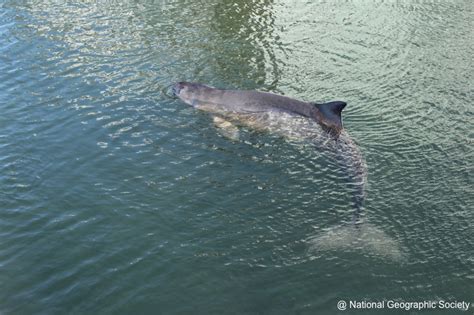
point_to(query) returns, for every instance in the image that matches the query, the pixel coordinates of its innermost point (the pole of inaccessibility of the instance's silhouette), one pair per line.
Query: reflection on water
(116, 198)
(247, 40)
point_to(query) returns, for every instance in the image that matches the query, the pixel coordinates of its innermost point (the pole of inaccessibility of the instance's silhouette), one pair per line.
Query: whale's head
(189, 92)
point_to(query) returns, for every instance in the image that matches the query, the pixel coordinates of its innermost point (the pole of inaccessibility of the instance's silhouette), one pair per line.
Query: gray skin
(318, 124)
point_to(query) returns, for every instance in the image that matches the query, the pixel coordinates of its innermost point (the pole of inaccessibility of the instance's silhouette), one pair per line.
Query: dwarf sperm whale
(320, 124)
(317, 124)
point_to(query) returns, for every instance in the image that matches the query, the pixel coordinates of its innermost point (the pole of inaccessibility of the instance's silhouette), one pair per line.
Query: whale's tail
(362, 237)
(355, 235)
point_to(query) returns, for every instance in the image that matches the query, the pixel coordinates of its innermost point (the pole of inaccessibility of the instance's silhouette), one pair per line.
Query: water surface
(117, 198)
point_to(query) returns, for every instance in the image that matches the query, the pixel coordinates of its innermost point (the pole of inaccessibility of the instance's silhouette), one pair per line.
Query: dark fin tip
(330, 115)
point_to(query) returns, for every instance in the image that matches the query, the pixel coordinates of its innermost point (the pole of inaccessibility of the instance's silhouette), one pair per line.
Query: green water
(116, 198)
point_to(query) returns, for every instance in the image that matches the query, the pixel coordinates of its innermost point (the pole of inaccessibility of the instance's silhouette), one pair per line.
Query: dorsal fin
(330, 115)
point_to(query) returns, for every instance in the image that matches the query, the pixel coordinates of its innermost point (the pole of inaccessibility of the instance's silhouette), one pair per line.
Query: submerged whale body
(318, 124)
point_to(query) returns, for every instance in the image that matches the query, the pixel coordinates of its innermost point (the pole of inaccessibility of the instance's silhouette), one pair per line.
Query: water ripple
(117, 197)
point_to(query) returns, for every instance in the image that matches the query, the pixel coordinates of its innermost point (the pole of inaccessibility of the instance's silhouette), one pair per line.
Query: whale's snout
(190, 92)
(177, 87)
